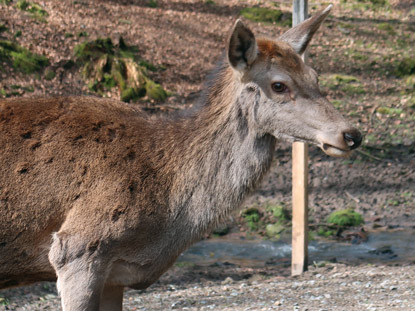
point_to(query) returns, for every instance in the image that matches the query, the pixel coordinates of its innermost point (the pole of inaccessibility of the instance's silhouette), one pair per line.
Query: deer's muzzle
(353, 138)
(343, 145)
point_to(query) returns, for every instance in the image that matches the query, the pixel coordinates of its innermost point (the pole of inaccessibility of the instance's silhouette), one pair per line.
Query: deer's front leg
(81, 271)
(111, 298)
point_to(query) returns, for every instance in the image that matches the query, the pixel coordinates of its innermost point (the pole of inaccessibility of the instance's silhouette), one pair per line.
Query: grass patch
(152, 4)
(49, 75)
(4, 301)
(347, 84)
(3, 28)
(184, 264)
(338, 221)
(277, 219)
(16, 90)
(252, 217)
(20, 58)
(387, 27)
(106, 66)
(367, 4)
(266, 15)
(325, 232)
(345, 218)
(35, 10)
(83, 34)
(389, 111)
(405, 66)
(268, 220)
(357, 55)
(279, 212)
(410, 82)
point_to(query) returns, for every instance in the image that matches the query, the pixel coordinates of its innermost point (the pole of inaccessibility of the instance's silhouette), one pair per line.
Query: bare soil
(184, 39)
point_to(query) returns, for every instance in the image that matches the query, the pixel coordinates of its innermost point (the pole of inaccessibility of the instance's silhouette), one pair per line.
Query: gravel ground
(332, 287)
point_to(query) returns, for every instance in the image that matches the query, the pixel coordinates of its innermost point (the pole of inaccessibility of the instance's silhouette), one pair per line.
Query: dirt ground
(333, 287)
(185, 38)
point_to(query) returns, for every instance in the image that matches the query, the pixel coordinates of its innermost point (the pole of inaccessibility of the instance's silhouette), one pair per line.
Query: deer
(101, 196)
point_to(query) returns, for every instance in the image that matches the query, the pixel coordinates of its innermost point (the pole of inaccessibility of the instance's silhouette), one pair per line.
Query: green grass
(34, 9)
(410, 82)
(389, 111)
(20, 58)
(82, 34)
(268, 220)
(405, 66)
(362, 5)
(350, 85)
(279, 212)
(106, 66)
(345, 218)
(15, 90)
(252, 217)
(3, 28)
(4, 301)
(49, 75)
(388, 28)
(266, 15)
(152, 4)
(325, 232)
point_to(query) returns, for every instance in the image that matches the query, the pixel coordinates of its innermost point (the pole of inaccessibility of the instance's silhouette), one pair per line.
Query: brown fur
(281, 53)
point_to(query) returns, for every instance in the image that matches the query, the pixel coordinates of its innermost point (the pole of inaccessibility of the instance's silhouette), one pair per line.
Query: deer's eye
(278, 87)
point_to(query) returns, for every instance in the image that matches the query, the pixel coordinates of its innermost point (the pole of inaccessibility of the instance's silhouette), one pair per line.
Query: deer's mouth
(334, 151)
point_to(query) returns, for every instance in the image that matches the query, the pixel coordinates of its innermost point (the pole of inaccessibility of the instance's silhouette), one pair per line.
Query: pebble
(227, 281)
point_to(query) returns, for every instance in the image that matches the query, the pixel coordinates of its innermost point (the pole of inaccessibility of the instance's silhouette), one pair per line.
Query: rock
(273, 230)
(228, 281)
(221, 230)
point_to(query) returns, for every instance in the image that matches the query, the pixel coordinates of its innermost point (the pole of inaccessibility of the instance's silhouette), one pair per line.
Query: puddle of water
(380, 247)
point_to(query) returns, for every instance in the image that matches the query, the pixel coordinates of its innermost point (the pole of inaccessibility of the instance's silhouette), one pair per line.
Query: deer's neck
(221, 159)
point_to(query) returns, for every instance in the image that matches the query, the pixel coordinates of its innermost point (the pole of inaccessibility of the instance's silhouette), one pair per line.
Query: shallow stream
(398, 246)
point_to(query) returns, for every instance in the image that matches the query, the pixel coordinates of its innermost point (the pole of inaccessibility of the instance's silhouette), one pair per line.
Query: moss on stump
(106, 66)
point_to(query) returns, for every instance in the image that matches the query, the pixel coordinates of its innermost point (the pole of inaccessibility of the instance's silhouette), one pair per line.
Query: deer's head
(280, 94)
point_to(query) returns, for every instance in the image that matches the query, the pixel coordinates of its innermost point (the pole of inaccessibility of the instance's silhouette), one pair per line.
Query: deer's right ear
(242, 47)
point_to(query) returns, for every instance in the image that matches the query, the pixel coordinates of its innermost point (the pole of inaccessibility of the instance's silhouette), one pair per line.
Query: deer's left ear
(242, 47)
(300, 36)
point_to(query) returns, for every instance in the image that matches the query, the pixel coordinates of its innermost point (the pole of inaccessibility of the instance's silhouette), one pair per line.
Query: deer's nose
(353, 138)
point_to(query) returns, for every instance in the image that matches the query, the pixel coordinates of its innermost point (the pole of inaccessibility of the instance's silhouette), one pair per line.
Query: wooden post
(299, 257)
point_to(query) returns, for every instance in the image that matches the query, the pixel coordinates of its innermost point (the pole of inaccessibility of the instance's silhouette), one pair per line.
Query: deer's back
(61, 153)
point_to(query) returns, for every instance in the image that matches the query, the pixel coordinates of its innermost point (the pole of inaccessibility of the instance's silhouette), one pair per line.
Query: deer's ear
(300, 36)
(242, 47)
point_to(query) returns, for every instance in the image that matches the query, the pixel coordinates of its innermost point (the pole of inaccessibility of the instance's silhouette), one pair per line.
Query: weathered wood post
(299, 259)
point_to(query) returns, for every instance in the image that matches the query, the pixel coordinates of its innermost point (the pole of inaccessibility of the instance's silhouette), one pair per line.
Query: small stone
(227, 281)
